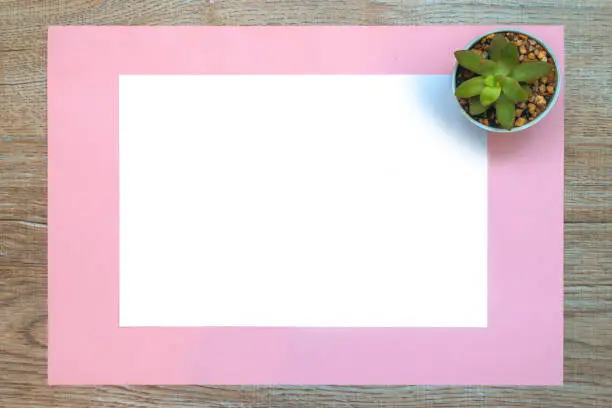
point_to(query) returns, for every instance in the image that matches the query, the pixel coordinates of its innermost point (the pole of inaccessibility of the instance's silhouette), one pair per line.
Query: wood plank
(588, 244)
(588, 180)
(22, 243)
(569, 396)
(588, 350)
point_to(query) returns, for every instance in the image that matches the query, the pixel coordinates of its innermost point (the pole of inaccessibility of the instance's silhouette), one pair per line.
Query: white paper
(280, 200)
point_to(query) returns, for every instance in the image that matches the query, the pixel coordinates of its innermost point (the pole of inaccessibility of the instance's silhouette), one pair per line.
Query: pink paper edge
(523, 344)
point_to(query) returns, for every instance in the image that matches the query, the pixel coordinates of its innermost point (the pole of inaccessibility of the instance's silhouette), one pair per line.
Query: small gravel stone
(531, 108)
(544, 80)
(521, 105)
(518, 112)
(540, 102)
(520, 122)
(522, 49)
(550, 89)
(531, 56)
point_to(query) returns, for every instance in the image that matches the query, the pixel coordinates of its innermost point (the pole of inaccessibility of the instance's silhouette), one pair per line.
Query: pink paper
(523, 343)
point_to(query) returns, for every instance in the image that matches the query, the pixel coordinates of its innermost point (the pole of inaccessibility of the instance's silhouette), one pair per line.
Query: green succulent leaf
(490, 81)
(495, 49)
(471, 87)
(526, 88)
(514, 91)
(504, 110)
(509, 56)
(530, 71)
(474, 62)
(476, 108)
(501, 79)
(502, 69)
(489, 95)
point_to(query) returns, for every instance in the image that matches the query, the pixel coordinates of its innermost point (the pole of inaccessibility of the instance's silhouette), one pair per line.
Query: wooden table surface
(588, 182)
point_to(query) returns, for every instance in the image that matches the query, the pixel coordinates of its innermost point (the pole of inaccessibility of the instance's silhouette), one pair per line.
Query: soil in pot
(541, 91)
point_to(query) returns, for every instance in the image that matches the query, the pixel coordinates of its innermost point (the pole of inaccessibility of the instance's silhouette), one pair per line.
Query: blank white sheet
(306, 200)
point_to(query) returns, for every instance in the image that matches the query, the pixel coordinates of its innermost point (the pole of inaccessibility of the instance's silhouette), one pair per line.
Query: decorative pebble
(520, 122)
(531, 108)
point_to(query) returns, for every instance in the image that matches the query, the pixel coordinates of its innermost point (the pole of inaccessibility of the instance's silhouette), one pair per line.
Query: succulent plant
(502, 80)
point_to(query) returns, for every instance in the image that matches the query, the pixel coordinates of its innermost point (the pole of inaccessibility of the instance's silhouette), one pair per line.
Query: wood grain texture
(588, 214)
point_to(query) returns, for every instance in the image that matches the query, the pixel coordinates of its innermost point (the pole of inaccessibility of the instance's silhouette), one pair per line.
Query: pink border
(524, 342)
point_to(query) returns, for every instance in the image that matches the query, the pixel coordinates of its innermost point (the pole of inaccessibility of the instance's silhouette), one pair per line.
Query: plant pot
(551, 100)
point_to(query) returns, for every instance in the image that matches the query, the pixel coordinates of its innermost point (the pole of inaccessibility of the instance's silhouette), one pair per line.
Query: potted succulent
(506, 81)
